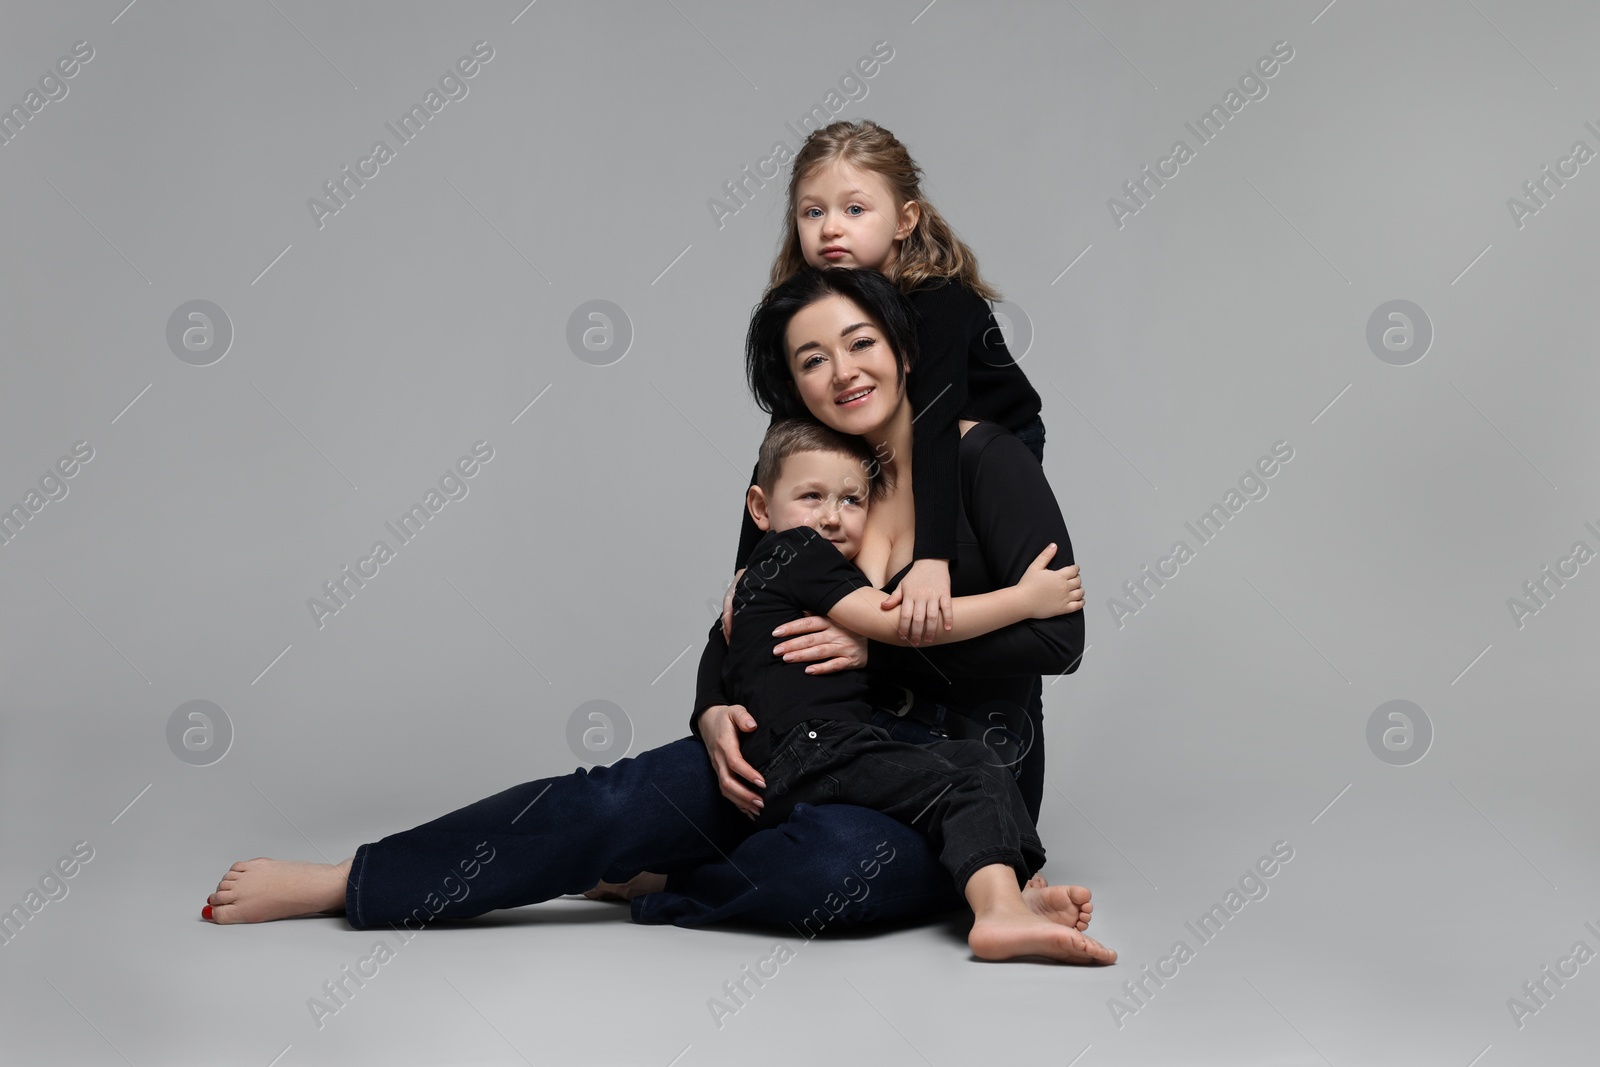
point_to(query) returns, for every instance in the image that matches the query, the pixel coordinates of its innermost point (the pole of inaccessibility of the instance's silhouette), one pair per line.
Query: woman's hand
(727, 606)
(719, 729)
(825, 645)
(1050, 593)
(923, 598)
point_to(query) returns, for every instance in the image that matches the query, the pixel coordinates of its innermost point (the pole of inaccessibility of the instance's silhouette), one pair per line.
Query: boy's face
(826, 491)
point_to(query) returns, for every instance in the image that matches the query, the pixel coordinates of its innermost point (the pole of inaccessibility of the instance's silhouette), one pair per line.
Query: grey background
(1230, 313)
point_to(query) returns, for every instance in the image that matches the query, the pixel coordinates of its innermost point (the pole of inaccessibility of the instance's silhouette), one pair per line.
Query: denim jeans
(954, 791)
(658, 811)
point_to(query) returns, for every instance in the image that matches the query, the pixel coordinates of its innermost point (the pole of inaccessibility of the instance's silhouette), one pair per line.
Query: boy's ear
(756, 501)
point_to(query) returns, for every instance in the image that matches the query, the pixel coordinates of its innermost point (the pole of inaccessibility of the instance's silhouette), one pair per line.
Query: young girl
(855, 200)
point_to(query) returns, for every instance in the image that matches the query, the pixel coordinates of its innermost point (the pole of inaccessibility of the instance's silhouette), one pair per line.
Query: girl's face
(842, 366)
(847, 217)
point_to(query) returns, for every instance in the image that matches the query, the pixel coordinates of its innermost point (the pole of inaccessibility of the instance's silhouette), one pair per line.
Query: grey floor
(1394, 935)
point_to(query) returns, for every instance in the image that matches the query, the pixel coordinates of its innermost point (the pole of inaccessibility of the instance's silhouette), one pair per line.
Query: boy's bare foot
(1036, 882)
(262, 889)
(1065, 904)
(1010, 934)
(640, 884)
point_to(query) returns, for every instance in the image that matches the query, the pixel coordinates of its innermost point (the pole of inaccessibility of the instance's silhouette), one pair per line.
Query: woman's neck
(891, 443)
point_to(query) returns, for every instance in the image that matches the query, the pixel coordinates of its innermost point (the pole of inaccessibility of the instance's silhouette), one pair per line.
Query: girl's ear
(910, 213)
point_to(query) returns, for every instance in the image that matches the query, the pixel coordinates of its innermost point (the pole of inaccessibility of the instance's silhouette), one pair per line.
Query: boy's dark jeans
(953, 791)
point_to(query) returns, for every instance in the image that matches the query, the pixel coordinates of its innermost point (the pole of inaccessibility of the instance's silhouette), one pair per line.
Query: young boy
(814, 742)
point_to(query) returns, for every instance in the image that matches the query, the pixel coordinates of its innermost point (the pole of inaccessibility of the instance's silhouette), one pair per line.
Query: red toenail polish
(205, 913)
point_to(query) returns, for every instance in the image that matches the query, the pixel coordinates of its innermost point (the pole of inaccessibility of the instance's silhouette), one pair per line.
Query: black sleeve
(937, 390)
(807, 569)
(708, 690)
(1014, 514)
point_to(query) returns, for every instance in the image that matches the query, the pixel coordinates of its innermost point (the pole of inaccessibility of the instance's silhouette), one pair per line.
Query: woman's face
(843, 368)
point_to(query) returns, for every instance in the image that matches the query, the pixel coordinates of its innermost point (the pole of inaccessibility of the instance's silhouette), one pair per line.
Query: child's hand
(1050, 593)
(923, 598)
(727, 606)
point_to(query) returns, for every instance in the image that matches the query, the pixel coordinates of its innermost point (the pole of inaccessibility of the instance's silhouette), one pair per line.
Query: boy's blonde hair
(932, 251)
(788, 436)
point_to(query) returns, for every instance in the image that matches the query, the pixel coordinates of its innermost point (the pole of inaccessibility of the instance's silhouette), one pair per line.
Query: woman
(662, 810)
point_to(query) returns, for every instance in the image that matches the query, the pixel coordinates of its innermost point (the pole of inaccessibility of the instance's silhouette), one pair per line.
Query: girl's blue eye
(855, 207)
(808, 212)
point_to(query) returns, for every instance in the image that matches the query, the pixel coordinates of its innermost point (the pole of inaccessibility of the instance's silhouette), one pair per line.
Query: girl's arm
(1039, 594)
(1013, 512)
(937, 390)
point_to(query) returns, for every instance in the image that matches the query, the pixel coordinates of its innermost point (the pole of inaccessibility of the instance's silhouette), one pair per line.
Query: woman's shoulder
(990, 448)
(985, 435)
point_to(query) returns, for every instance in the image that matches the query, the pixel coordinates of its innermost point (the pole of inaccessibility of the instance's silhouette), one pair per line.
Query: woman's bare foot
(1065, 904)
(640, 884)
(260, 890)
(1010, 934)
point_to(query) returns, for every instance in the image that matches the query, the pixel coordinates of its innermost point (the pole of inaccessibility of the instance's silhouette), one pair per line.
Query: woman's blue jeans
(831, 866)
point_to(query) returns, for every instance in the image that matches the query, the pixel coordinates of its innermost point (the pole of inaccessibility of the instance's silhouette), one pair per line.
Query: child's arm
(1041, 593)
(937, 391)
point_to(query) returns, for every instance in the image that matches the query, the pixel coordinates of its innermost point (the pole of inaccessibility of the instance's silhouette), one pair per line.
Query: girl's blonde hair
(930, 251)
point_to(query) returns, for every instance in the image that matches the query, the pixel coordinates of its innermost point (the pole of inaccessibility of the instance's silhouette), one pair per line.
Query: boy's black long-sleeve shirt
(1006, 516)
(963, 370)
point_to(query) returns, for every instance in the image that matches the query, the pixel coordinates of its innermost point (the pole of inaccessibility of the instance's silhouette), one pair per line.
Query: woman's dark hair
(766, 347)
